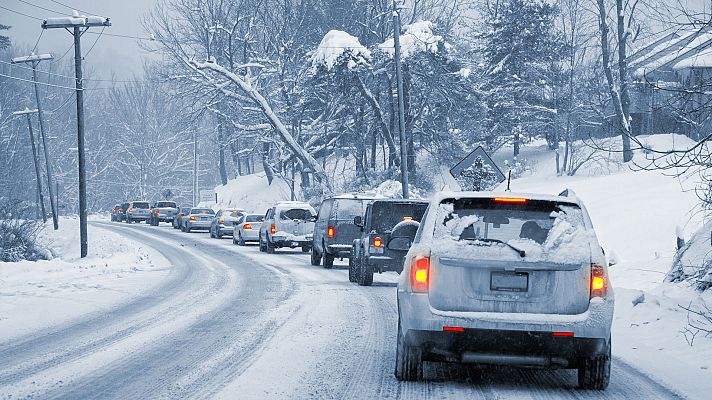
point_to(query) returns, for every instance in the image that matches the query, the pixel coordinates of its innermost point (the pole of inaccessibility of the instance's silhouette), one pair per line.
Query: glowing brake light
(113, 210)
(222, 220)
(330, 232)
(272, 229)
(192, 218)
(563, 334)
(453, 329)
(130, 210)
(598, 281)
(420, 274)
(377, 241)
(247, 227)
(510, 200)
(407, 218)
(158, 213)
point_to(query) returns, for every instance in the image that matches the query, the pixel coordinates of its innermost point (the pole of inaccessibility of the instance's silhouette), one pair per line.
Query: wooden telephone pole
(40, 197)
(79, 25)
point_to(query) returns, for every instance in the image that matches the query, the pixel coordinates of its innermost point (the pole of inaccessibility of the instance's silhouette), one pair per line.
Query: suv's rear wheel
(328, 260)
(315, 257)
(595, 372)
(409, 359)
(269, 248)
(365, 273)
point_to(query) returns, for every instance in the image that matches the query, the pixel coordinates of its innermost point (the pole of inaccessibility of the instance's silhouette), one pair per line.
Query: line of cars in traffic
(485, 278)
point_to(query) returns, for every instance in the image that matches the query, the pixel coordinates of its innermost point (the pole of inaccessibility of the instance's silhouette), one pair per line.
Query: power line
(59, 86)
(92, 46)
(38, 41)
(23, 14)
(40, 7)
(40, 71)
(70, 7)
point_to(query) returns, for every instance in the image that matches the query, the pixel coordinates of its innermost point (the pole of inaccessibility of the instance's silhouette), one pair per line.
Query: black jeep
(385, 220)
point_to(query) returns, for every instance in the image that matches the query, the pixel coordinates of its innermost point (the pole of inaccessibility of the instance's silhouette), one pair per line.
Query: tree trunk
(265, 162)
(385, 131)
(221, 150)
(623, 76)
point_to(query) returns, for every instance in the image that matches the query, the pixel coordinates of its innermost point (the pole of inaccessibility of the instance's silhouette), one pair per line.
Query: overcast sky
(111, 55)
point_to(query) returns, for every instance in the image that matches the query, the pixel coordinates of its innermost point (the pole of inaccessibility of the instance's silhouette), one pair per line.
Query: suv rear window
(541, 228)
(140, 204)
(168, 204)
(295, 213)
(347, 209)
(385, 214)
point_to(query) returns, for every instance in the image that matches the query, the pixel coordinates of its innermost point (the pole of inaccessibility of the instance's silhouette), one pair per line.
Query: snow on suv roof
(361, 196)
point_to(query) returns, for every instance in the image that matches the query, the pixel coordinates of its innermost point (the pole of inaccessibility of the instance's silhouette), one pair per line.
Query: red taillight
(598, 281)
(377, 241)
(453, 329)
(130, 210)
(247, 227)
(272, 229)
(150, 209)
(113, 210)
(510, 200)
(158, 213)
(192, 217)
(407, 218)
(420, 274)
(222, 220)
(563, 334)
(330, 232)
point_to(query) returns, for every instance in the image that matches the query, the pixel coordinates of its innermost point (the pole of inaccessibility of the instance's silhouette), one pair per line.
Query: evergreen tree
(4, 40)
(523, 51)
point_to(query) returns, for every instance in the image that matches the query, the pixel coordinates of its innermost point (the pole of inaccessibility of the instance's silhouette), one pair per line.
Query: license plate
(509, 281)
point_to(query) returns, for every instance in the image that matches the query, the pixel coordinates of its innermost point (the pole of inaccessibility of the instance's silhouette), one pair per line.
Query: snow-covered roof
(333, 46)
(679, 49)
(418, 38)
(702, 59)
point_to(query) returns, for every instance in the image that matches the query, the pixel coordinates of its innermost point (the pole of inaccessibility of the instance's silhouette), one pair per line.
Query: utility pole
(35, 60)
(79, 25)
(401, 101)
(195, 167)
(27, 112)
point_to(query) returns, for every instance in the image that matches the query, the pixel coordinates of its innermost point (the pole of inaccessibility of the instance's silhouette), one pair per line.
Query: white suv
(505, 279)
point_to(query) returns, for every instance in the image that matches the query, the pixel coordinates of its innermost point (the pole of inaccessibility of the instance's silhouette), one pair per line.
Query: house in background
(671, 89)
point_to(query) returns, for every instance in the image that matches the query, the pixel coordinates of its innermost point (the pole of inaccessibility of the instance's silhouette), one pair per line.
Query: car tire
(315, 257)
(594, 373)
(328, 260)
(187, 229)
(306, 249)
(269, 248)
(240, 239)
(352, 270)
(409, 359)
(218, 235)
(364, 276)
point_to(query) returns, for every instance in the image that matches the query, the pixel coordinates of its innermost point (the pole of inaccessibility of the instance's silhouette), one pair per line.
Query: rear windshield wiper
(521, 252)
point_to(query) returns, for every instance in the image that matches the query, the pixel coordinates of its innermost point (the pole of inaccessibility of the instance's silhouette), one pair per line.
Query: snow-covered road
(231, 322)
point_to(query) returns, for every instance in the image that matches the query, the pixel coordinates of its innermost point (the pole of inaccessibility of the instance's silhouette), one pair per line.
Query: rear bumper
(226, 229)
(250, 235)
(283, 239)
(385, 263)
(339, 250)
(498, 347)
(198, 224)
(498, 333)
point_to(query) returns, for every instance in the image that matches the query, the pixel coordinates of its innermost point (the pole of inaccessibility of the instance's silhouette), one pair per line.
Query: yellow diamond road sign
(477, 172)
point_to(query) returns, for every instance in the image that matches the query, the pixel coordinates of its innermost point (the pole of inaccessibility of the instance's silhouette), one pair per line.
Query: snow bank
(418, 38)
(252, 193)
(338, 46)
(37, 295)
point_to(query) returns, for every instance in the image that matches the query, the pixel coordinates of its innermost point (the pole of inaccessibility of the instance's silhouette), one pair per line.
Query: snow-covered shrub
(693, 262)
(18, 233)
(519, 167)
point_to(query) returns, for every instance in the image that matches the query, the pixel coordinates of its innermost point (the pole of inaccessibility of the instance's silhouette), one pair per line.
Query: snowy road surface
(230, 322)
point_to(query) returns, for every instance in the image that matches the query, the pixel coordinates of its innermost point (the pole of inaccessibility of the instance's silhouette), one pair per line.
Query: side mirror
(358, 221)
(399, 243)
(313, 218)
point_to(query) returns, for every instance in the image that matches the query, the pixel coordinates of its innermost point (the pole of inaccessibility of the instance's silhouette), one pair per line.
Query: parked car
(117, 213)
(124, 211)
(334, 231)
(223, 222)
(498, 278)
(287, 224)
(370, 252)
(138, 211)
(163, 211)
(178, 217)
(197, 218)
(247, 228)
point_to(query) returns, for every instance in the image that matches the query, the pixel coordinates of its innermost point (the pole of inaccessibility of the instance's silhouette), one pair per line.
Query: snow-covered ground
(636, 214)
(38, 295)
